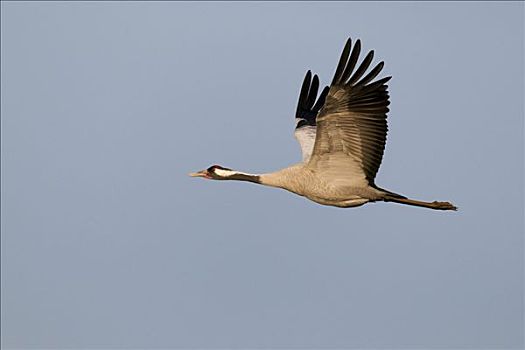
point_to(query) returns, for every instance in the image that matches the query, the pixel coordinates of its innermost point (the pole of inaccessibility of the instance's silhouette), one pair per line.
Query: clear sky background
(106, 242)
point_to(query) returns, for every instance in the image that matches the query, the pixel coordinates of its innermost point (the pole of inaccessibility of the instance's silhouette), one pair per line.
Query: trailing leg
(432, 205)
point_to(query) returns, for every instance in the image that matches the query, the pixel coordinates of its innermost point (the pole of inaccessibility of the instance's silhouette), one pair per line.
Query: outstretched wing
(352, 126)
(307, 110)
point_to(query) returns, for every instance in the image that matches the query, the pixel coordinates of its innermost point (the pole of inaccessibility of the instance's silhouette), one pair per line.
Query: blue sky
(106, 242)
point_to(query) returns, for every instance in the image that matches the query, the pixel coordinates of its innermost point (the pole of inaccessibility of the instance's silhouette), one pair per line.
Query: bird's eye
(214, 167)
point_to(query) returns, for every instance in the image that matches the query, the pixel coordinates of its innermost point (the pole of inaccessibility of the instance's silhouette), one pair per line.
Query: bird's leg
(432, 205)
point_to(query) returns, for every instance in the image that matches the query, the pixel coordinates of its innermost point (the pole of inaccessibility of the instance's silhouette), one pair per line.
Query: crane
(342, 134)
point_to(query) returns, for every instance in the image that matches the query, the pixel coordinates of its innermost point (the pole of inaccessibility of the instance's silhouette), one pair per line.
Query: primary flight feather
(342, 134)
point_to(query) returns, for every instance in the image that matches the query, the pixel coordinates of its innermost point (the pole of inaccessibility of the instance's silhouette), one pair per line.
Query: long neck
(238, 175)
(275, 179)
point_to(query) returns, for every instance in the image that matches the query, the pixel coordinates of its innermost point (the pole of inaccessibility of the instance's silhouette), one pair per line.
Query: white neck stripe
(224, 172)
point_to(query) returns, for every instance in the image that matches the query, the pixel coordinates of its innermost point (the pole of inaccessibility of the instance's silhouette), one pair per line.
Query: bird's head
(215, 172)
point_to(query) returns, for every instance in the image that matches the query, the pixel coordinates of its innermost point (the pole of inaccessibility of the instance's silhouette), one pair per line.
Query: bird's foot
(443, 205)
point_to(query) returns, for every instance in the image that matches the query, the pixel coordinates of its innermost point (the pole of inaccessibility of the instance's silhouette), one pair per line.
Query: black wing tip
(325, 91)
(381, 82)
(309, 103)
(321, 100)
(345, 75)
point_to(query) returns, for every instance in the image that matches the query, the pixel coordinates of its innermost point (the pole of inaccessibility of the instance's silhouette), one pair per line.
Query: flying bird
(342, 134)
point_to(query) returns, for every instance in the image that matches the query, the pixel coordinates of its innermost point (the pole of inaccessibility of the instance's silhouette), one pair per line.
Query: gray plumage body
(303, 181)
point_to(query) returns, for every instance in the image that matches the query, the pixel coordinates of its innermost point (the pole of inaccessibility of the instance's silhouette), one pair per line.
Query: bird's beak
(202, 173)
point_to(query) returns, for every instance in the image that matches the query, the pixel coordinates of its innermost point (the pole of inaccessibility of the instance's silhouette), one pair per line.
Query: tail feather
(389, 193)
